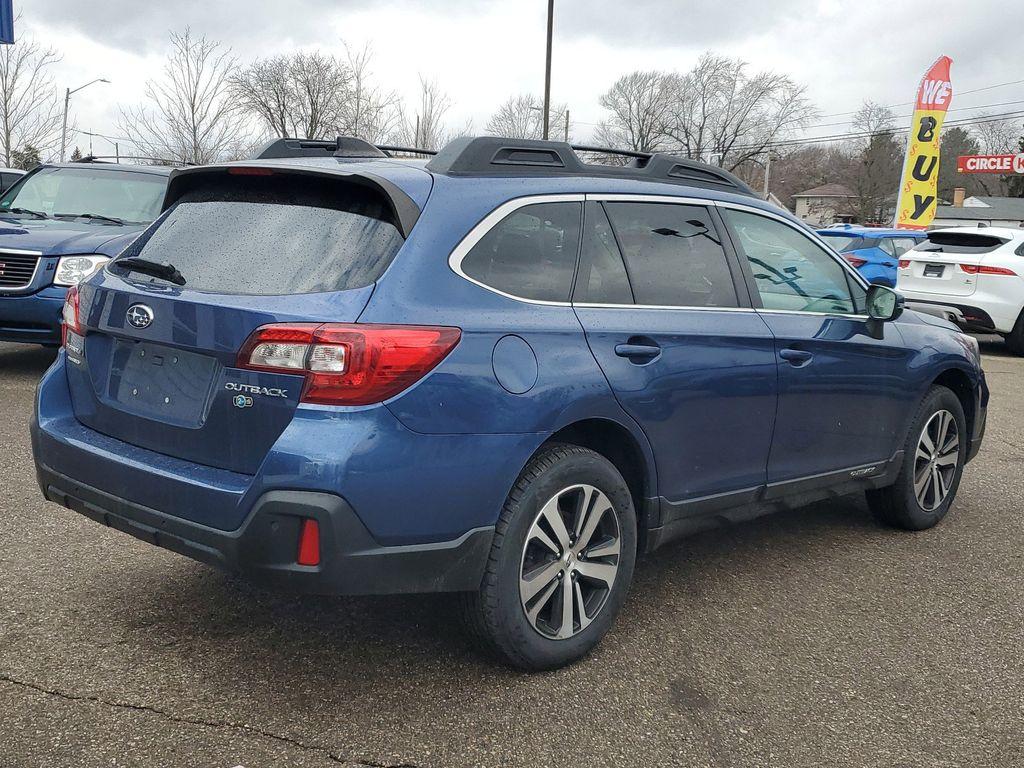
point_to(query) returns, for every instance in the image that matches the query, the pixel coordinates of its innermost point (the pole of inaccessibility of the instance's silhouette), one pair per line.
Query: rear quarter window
(273, 236)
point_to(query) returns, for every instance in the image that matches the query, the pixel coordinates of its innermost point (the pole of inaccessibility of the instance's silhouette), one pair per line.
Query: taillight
(981, 269)
(349, 364)
(309, 542)
(904, 263)
(855, 261)
(69, 317)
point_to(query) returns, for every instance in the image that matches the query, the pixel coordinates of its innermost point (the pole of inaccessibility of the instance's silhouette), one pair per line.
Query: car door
(667, 316)
(841, 401)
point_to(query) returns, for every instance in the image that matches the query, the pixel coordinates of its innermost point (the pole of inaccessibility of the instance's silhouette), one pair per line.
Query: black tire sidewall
(575, 467)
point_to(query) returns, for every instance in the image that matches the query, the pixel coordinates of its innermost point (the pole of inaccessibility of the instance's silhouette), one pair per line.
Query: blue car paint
(716, 414)
(880, 267)
(33, 314)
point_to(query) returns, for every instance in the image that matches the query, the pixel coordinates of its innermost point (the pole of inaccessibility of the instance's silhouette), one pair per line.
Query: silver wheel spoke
(537, 534)
(921, 485)
(922, 454)
(926, 441)
(600, 571)
(553, 515)
(943, 428)
(543, 600)
(949, 460)
(532, 583)
(581, 609)
(604, 549)
(565, 629)
(599, 508)
(936, 460)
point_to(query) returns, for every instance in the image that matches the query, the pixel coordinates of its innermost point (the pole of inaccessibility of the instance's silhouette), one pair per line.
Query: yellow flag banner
(915, 208)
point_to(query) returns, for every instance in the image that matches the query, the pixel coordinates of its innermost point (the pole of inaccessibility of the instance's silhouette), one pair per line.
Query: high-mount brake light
(981, 269)
(349, 364)
(70, 317)
(250, 171)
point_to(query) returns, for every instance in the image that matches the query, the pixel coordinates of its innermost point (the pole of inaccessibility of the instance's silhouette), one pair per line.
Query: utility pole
(547, 71)
(566, 126)
(767, 172)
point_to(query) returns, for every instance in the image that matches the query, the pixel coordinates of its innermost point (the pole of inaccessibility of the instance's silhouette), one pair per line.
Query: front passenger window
(791, 271)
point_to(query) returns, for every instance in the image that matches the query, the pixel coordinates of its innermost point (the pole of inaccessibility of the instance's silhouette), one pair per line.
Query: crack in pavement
(202, 723)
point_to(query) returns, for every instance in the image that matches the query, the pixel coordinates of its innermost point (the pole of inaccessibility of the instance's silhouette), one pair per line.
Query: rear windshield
(274, 235)
(842, 242)
(959, 242)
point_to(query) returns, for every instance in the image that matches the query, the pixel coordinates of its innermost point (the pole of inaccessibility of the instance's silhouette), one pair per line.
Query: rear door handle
(638, 352)
(798, 358)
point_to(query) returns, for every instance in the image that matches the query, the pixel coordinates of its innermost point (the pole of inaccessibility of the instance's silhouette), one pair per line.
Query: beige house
(824, 205)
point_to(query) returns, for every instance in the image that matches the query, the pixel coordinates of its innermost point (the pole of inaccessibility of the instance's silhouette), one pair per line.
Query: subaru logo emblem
(139, 316)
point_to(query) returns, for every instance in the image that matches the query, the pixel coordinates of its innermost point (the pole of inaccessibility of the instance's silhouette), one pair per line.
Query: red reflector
(251, 171)
(309, 542)
(349, 364)
(855, 261)
(904, 263)
(69, 318)
(981, 269)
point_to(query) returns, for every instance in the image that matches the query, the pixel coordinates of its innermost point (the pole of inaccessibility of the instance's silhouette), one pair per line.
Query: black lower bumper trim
(264, 548)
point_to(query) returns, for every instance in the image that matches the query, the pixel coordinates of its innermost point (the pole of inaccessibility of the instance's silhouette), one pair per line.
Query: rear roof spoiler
(404, 208)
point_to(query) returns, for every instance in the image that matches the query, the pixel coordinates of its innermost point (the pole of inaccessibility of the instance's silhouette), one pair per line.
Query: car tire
(1015, 338)
(518, 613)
(928, 479)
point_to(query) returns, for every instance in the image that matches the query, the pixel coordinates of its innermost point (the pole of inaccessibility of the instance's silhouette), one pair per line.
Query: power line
(955, 93)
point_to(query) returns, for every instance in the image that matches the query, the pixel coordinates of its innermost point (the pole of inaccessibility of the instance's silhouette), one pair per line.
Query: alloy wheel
(570, 561)
(936, 460)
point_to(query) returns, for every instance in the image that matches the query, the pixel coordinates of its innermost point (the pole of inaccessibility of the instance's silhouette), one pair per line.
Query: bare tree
(191, 117)
(720, 113)
(426, 127)
(368, 111)
(30, 107)
(641, 106)
(300, 95)
(876, 163)
(521, 117)
(996, 137)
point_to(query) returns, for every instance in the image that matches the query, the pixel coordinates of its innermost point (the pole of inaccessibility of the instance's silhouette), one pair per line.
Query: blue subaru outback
(506, 372)
(58, 225)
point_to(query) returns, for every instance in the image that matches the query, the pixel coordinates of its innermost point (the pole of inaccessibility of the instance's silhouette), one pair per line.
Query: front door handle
(638, 352)
(798, 358)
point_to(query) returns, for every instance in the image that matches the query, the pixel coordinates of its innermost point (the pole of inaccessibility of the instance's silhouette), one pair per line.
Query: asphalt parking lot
(812, 638)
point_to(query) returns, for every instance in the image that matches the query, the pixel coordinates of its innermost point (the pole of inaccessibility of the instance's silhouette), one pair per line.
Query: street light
(67, 102)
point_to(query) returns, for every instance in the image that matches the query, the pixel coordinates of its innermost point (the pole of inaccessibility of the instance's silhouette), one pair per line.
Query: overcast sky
(482, 52)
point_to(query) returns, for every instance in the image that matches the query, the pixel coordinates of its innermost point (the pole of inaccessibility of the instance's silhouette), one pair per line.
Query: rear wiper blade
(164, 271)
(27, 212)
(95, 216)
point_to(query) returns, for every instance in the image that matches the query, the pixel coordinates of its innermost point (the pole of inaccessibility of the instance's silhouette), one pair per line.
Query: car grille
(16, 269)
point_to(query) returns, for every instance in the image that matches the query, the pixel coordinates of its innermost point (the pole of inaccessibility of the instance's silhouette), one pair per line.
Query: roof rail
(406, 150)
(342, 146)
(494, 155)
(118, 158)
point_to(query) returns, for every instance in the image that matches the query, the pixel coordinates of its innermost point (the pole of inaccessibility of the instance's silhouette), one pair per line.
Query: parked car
(873, 251)
(505, 373)
(8, 176)
(973, 277)
(58, 225)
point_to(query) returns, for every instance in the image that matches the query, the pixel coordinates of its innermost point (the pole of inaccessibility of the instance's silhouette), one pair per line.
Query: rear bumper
(264, 548)
(32, 319)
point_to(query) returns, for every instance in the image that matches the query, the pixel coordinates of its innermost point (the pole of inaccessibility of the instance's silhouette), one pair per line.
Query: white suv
(972, 276)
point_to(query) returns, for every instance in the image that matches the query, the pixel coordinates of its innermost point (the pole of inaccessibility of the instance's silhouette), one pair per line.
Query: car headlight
(71, 270)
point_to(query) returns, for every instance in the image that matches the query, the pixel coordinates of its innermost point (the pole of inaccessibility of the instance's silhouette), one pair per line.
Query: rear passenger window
(602, 277)
(531, 253)
(673, 255)
(903, 244)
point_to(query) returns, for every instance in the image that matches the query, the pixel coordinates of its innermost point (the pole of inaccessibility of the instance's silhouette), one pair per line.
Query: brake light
(250, 171)
(855, 261)
(349, 364)
(981, 269)
(69, 317)
(904, 263)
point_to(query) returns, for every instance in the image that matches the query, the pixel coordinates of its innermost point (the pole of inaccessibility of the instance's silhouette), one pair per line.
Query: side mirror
(883, 304)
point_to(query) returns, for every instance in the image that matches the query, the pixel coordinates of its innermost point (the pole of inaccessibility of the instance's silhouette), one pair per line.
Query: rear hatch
(947, 262)
(157, 365)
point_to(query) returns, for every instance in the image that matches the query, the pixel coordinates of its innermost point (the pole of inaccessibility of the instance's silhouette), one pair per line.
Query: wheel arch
(631, 454)
(960, 383)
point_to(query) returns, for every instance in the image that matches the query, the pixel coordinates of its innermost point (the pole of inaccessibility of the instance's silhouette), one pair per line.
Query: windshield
(130, 197)
(840, 242)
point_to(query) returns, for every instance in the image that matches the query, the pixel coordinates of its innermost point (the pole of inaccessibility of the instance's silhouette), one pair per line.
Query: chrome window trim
(477, 233)
(35, 271)
(485, 225)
